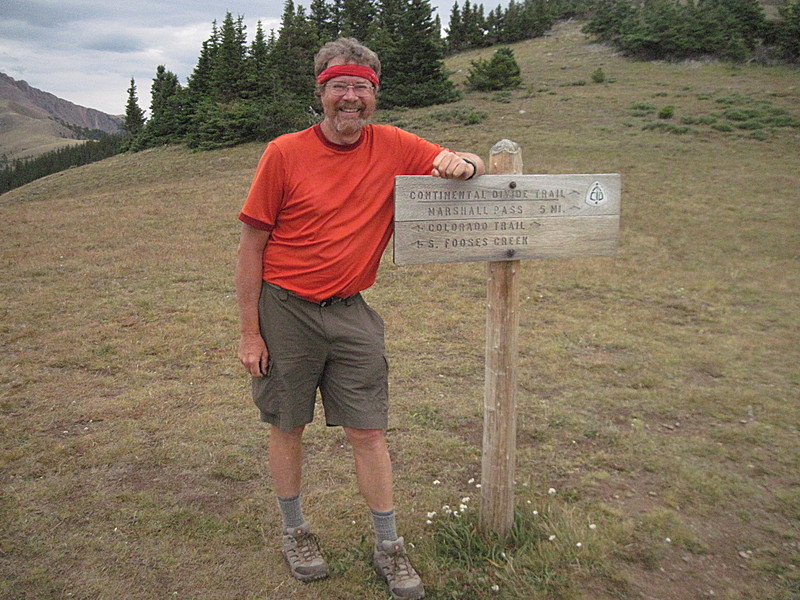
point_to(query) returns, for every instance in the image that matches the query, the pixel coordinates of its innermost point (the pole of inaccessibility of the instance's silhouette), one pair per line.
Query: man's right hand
(253, 354)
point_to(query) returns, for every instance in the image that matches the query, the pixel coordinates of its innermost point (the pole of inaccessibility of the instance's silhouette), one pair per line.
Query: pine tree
(229, 74)
(296, 45)
(259, 67)
(201, 81)
(323, 17)
(514, 23)
(356, 18)
(293, 72)
(412, 54)
(611, 19)
(495, 24)
(474, 24)
(537, 17)
(788, 33)
(501, 72)
(456, 40)
(745, 17)
(134, 116)
(437, 26)
(166, 124)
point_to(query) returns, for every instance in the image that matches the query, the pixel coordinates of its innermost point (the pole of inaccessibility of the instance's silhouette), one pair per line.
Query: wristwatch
(474, 168)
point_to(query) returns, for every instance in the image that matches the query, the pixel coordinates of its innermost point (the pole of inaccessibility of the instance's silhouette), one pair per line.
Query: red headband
(349, 70)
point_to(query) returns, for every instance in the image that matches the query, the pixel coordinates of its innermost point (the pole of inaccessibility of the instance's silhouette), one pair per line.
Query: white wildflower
(429, 522)
(431, 514)
(465, 500)
(536, 512)
(478, 485)
(471, 480)
(552, 538)
(579, 545)
(463, 507)
(551, 491)
(592, 526)
(495, 588)
(437, 482)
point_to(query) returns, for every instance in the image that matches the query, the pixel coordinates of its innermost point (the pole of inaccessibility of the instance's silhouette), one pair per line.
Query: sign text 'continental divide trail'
(505, 217)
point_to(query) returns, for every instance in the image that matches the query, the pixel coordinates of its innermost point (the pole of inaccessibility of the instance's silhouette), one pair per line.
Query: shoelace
(307, 546)
(402, 566)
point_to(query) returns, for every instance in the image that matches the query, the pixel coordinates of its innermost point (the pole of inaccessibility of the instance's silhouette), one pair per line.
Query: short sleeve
(418, 153)
(266, 194)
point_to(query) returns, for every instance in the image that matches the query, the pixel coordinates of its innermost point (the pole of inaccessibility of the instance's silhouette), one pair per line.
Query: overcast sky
(86, 51)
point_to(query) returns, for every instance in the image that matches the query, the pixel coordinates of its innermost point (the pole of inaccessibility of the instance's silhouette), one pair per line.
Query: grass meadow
(659, 423)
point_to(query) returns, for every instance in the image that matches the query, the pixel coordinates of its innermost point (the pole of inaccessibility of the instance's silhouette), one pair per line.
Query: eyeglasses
(359, 89)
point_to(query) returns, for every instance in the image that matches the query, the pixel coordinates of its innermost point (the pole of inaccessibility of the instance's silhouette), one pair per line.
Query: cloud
(122, 44)
(86, 51)
(48, 14)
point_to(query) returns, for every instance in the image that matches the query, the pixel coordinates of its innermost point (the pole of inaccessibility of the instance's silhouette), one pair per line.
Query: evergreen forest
(15, 173)
(244, 91)
(254, 90)
(241, 92)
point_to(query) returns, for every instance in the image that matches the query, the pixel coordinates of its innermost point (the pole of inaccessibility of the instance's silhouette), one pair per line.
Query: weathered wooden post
(502, 218)
(500, 386)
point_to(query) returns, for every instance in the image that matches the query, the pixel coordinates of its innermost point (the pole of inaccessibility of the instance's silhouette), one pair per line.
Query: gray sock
(291, 511)
(385, 526)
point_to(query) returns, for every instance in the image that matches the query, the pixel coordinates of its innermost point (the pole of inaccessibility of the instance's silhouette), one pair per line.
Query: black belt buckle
(328, 301)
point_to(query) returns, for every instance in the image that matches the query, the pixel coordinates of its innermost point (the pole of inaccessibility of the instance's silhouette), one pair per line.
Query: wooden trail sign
(501, 218)
(505, 217)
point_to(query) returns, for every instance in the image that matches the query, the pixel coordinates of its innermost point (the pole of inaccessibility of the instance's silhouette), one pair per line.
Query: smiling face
(346, 115)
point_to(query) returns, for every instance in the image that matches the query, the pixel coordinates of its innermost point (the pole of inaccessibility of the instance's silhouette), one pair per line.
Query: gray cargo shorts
(337, 348)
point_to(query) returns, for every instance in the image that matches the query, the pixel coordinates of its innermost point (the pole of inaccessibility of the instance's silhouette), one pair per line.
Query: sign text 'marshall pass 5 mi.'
(505, 217)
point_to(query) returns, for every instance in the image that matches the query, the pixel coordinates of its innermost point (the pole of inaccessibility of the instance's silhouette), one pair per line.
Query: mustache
(350, 104)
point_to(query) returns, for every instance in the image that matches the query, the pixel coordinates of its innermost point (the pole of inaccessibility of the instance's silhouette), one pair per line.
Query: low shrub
(598, 76)
(501, 72)
(667, 112)
(642, 109)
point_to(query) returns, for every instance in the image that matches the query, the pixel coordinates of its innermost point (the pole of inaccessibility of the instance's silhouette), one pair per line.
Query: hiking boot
(391, 562)
(302, 553)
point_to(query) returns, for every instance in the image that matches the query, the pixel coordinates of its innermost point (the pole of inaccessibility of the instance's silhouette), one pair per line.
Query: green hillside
(34, 122)
(659, 422)
(27, 132)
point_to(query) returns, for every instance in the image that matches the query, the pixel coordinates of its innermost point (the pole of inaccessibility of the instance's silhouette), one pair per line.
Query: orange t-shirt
(329, 207)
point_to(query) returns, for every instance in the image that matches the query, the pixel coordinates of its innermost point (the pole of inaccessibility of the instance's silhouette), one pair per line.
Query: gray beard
(350, 127)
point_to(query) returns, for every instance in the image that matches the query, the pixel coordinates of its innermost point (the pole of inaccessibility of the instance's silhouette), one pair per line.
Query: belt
(332, 300)
(323, 303)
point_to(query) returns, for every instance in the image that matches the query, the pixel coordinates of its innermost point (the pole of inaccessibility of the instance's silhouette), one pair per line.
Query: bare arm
(253, 352)
(451, 165)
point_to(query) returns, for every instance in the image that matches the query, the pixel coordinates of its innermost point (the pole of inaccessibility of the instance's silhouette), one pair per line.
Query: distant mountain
(33, 122)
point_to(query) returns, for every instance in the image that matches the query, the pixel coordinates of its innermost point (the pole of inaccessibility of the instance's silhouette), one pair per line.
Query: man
(315, 224)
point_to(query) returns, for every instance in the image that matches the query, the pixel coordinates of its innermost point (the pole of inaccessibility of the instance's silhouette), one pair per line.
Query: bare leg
(373, 467)
(300, 549)
(286, 460)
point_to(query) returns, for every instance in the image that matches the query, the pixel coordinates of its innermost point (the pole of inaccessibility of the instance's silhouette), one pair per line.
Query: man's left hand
(449, 165)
